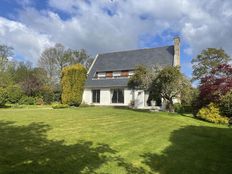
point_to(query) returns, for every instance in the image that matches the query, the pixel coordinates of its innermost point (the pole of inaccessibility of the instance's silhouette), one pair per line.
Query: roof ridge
(135, 50)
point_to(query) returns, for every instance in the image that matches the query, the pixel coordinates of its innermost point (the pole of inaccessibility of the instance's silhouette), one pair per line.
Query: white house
(108, 76)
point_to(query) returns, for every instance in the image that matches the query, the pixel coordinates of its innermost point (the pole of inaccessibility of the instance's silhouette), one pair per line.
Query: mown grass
(110, 140)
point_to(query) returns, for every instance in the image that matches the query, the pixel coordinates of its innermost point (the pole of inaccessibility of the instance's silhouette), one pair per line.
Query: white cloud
(24, 40)
(200, 23)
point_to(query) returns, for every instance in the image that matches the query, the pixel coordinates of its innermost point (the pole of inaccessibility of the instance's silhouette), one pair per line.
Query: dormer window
(101, 75)
(124, 73)
(131, 73)
(116, 74)
(109, 74)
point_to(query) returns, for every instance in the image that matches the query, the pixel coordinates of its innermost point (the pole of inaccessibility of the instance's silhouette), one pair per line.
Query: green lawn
(109, 140)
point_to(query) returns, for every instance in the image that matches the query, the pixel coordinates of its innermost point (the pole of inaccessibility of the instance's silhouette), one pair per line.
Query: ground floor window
(117, 96)
(96, 96)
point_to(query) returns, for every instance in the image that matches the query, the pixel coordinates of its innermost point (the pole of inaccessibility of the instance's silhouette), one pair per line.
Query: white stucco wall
(128, 96)
(105, 97)
(87, 96)
(139, 99)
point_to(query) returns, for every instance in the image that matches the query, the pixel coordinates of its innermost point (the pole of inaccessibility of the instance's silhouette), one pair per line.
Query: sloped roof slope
(127, 60)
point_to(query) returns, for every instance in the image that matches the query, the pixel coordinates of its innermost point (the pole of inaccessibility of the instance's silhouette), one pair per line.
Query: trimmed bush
(73, 81)
(179, 108)
(3, 97)
(211, 114)
(187, 108)
(25, 100)
(226, 104)
(59, 106)
(14, 93)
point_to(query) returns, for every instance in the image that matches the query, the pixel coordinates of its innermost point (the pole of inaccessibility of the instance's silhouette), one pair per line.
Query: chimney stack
(176, 61)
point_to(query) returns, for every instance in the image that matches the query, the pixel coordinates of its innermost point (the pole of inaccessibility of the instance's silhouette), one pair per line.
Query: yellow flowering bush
(211, 114)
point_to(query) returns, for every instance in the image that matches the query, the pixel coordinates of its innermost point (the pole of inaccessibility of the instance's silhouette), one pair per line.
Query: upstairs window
(116, 74)
(113, 74)
(109, 74)
(125, 73)
(101, 75)
(131, 73)
(96, 96)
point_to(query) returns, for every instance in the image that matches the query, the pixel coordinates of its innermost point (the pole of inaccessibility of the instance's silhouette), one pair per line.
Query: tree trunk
(170, 106)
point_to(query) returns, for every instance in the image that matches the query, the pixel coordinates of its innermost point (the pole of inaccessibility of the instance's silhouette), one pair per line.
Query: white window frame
(101, 75)
(95, 102)
(111, 95)
(131, 73)
(117, 74)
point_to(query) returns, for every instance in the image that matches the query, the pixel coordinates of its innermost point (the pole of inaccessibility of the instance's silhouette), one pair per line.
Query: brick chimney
(176, 61)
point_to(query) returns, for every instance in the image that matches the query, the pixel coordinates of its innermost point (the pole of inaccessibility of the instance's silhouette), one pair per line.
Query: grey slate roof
(127, 60)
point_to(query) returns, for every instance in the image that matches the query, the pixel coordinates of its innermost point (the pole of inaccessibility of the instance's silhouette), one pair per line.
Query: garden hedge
(72, 83)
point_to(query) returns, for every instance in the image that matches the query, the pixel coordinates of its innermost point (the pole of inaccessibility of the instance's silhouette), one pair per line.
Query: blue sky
(30, 26)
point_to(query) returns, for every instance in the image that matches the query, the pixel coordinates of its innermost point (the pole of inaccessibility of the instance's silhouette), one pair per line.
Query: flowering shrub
(211, 114)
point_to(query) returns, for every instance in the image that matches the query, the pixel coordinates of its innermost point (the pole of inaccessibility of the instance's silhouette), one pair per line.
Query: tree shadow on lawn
(26, 149)
(194, 149)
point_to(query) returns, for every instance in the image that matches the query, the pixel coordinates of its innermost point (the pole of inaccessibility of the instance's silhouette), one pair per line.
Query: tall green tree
(34, 82)
(47, 61)
(79, 56)
(14, 93)
(54, 59)
(169, 84)
(3, 96)
(207, 60)
(61, 60)
(21, 71)
(142, 79)
(5, 52)
(5, 77)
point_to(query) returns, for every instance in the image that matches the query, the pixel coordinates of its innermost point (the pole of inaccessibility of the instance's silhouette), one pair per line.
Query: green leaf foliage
(226, 104)
(180, 108)
(25, 100)
(59, 106)
(14, 93)
(169, 84)
(137, 81)
(207, 60)
(143, 77)
(73, 80)
(5, 52)
(3, 97)
(47, 94)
